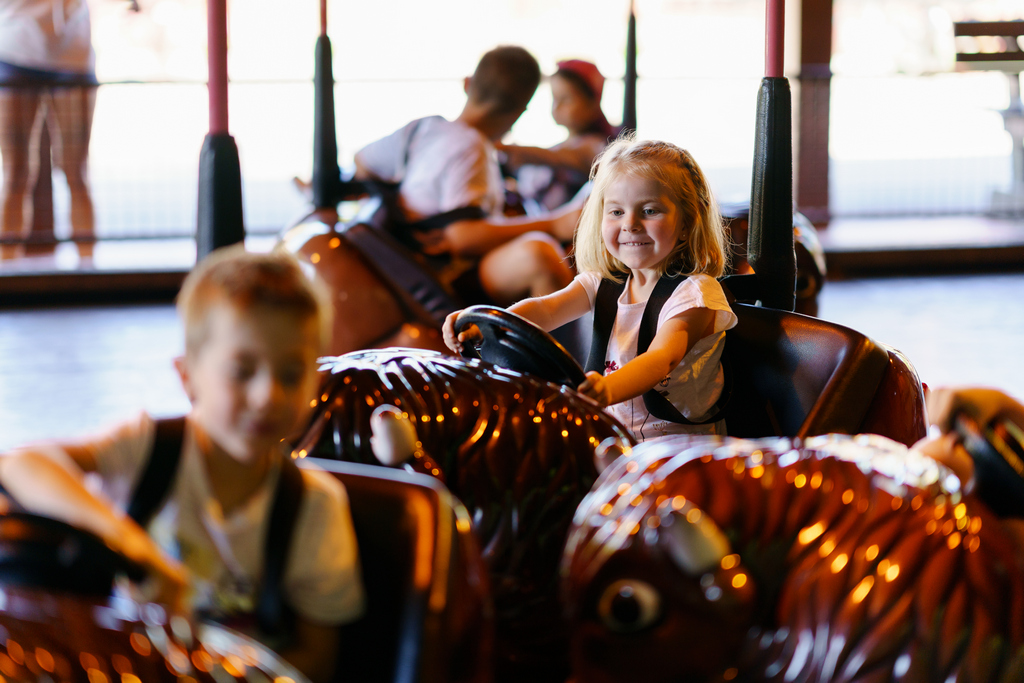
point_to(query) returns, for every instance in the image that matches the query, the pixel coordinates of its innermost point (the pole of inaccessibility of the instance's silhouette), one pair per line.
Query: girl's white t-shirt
(695, 384)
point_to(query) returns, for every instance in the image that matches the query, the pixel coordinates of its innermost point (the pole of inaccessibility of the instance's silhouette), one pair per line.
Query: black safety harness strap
(402, 229)
(158, 474)
(443, 220)
(272, 612)
(606, 307)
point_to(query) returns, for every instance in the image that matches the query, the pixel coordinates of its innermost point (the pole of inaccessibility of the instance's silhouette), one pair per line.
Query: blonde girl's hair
(702, 248)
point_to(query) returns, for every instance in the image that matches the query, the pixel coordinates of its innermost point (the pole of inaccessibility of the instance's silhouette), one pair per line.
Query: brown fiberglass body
(517, 451)
(844, 559)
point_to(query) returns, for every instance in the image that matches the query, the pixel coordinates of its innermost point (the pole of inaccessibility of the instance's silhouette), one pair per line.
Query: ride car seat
(810, 257)
(382, 295)
(428, 615)
(415, 282)
(794, 375)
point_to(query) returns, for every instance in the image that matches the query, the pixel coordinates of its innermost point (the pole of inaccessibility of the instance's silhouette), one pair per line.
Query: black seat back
(798, 376)
(427, 613)
(413, 281)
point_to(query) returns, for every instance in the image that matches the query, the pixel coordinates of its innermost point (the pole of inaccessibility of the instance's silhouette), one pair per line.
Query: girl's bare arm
(577, 157)
(576, 153)
(477, 237)
(554, 310)
(669, 346)
(547, 312)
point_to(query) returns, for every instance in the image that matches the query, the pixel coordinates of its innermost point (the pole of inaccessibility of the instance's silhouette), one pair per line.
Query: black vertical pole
(219, 221)
(326, 174)
(770, 247)
(629, 94)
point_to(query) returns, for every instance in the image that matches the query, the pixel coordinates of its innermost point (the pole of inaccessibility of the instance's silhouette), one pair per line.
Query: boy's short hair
(704, 249)
(505, 79)
(244, 280)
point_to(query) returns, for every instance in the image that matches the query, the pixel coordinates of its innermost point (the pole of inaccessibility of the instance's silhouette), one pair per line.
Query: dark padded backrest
(413, 551)
(414, 282)
(799, 376)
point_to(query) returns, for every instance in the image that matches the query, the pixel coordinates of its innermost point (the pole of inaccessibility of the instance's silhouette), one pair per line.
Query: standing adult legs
(72, 113)
(18, 107)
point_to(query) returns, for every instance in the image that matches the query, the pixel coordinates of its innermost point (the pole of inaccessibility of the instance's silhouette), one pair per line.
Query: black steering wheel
(998, 456)
(511, 341)
(41, 552)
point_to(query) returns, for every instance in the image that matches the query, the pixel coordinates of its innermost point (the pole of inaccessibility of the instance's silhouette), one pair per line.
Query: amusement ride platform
(152, 269)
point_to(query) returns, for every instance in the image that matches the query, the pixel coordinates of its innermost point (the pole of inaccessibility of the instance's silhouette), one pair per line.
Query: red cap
(588, 72)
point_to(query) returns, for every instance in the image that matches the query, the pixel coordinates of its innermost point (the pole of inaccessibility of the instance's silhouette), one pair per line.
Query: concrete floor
(955, 329)
(66, 371)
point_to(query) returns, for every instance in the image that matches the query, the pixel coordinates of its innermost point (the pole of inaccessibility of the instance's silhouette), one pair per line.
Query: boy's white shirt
(224, 556)
(695, 384)
(450, 165)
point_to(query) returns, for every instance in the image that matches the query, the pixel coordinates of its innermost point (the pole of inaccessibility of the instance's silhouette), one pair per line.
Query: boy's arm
(669, 346)
(477, 237)
(43, 487)
(314, 650)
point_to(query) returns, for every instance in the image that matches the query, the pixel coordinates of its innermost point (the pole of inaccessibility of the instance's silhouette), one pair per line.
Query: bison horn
(393, 438)
(694, 541)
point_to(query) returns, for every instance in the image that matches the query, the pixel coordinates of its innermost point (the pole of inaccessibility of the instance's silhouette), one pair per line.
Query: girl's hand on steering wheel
(596, 387)
(454, 341)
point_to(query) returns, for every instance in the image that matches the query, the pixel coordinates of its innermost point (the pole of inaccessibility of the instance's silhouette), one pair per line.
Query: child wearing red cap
(547, 178)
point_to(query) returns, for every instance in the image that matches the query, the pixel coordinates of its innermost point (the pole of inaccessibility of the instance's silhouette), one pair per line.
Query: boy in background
(254, 326)
(452, 166)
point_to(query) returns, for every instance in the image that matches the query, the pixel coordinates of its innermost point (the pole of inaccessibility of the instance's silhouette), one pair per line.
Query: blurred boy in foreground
(254, 326)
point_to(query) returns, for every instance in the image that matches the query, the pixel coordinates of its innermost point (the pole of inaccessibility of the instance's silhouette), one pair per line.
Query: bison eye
(629, 605)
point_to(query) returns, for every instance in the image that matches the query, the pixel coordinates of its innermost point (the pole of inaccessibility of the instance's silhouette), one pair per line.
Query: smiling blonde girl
(649, 248)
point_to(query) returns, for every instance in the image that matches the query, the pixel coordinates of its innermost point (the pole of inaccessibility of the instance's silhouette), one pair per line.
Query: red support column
(217, 47)
(774, 41)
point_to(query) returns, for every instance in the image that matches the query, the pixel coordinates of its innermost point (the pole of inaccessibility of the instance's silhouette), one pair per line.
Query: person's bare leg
(17, 113)
(73, 109)
(531, 265)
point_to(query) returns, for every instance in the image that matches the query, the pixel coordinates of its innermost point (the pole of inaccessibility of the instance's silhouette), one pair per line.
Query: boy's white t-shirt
(695, 384)
(441, 165)
(225, 557)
